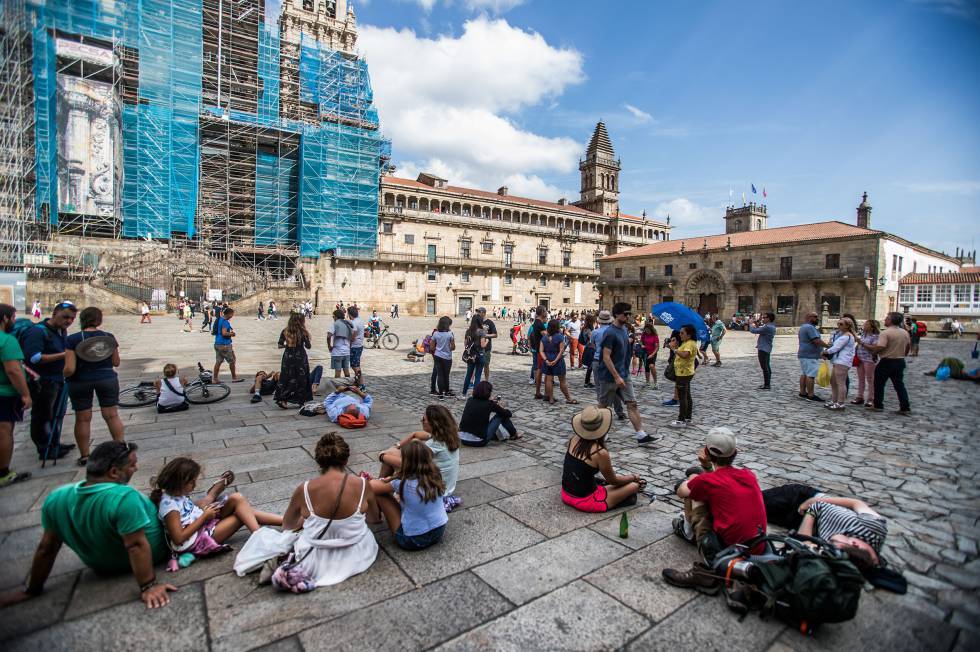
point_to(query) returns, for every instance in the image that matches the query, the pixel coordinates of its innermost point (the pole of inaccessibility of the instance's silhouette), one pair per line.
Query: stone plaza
(518, 570)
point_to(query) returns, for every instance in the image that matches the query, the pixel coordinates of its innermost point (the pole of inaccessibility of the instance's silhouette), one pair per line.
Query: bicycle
(199, 392)
(385, 338)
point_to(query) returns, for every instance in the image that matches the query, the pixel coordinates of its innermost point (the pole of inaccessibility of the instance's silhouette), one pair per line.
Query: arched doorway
(704, 291)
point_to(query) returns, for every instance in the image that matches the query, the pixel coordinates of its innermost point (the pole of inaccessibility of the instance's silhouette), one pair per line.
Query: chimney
(864, 213)
(563, 202)
(502, 191)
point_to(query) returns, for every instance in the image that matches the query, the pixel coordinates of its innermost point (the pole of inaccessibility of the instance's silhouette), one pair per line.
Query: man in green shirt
(111, 527)
(717, 334)
(15, 395)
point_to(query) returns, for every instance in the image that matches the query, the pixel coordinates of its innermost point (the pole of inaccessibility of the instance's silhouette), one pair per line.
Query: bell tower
(599, 175)
(864, 213)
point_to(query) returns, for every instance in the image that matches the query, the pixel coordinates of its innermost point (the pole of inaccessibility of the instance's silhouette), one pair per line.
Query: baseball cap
(720, 441)
(605, 317)
(481, 309)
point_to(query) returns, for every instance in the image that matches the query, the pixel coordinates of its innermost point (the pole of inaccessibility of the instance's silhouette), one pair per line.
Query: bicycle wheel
(390, 341)
(138, 396)
(209, 393)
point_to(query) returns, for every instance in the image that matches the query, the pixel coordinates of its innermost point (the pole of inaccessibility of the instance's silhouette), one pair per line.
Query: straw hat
(592, 422)
(605, 317)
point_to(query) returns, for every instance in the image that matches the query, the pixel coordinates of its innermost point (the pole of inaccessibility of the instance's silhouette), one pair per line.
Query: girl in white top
(337, 502)
(171, 391)
(841, 354)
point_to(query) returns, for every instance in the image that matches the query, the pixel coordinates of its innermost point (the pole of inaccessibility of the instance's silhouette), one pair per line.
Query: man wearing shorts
(717, 335)
(265, 384)
(613, 374)
(811, 348)
(491, 333)
(356, 345)
(338, 341)
(223, 349)
(15, 397)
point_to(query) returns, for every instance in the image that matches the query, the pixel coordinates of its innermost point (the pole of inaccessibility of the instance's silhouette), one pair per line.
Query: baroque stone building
(789, 270)
(443, 249)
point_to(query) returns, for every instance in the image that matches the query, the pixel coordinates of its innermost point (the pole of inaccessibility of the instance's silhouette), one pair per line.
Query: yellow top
(685, 366)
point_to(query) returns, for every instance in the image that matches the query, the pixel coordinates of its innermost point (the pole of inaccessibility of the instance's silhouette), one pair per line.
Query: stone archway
(704, 291)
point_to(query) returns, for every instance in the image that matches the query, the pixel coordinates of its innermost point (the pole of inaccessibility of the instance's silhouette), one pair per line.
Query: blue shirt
(766, 333)
(616, 339)
(419, 517)
(90, 371)
(44, 340)
(222, 324)
(809, 350)
(337, 402)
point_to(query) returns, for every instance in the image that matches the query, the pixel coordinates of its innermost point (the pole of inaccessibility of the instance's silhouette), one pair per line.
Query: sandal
(571, 401)
(82, 461)
(282, 405)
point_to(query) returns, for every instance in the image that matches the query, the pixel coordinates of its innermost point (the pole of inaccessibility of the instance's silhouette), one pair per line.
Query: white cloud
(454, 100)
(426, 5)
(948, 187)
(639, 114)
(689, 218)
(492, 6)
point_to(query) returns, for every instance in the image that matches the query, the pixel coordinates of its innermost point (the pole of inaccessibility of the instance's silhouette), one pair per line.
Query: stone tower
(864, 213)
(749, 217)
(600, 175)
(329, 22)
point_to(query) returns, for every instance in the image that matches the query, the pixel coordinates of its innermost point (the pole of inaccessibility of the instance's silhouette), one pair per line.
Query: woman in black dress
(294, 377)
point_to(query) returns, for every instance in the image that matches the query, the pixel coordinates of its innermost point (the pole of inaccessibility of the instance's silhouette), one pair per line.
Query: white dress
(347, 548)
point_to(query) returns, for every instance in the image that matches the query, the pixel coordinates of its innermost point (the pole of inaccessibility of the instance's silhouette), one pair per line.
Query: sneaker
(857, 401)
(869, 404)
(677, 423)
(13, 477)
(682, 529)
(802, 395)
(530, 381)
(646, 439)
(698, 578)
(763, 387)
(717, 364)
(256, 398)
(671, 402)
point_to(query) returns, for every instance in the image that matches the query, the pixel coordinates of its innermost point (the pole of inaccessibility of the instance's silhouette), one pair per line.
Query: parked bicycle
(200, 391)
(385, 338)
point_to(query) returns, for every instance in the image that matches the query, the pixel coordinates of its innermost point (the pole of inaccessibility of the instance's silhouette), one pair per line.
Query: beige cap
(720, 441)
(605, 317)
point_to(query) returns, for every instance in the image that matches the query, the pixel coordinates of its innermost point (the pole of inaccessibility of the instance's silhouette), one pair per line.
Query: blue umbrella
(674, 315)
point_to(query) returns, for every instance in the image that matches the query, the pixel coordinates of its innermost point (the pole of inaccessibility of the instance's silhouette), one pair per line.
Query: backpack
(801, 585)
(21, 328)
(472, 351)
(215, 328)
(920, 329)
(583, 339)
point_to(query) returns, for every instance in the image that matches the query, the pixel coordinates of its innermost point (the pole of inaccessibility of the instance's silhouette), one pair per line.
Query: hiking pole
(54, 431)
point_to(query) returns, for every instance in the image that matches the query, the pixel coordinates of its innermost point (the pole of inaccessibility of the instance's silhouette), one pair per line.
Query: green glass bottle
(624, 526)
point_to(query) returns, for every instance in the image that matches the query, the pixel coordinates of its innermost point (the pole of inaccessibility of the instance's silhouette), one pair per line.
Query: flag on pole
(731, 195)
(743, 198)
(764, 192)
(753, 188)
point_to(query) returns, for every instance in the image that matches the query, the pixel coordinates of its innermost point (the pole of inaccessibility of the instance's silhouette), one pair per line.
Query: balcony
(850, 273)
(477, 262)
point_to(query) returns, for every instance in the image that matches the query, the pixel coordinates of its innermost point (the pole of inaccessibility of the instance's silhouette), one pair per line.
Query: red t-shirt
(735, 501)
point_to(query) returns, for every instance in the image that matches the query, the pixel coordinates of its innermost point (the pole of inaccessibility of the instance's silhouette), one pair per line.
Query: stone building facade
(788, 270)
(443, 249)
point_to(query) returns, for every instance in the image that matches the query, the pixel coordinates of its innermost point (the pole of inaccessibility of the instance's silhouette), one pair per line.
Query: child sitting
(417, 352)
(417, 518)
(201, 527)
(170, 390)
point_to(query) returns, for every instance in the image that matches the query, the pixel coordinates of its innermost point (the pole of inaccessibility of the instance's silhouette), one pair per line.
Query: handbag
(975, 353)
(669, 373)
(289, 576)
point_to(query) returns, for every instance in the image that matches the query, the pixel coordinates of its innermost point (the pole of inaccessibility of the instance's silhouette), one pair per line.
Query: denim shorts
(418, 541)
(355, 356)
(340, 362)
(809, 367)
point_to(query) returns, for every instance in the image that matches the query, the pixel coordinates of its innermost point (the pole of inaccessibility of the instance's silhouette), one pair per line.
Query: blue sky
(816, 103)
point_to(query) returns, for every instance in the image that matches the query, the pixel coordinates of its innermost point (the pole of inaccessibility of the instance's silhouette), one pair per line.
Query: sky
(815, 102)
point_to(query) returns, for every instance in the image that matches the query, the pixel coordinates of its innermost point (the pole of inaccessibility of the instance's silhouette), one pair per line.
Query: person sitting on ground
(265, 385)
(722, 506)
(330, 512)
(348, 406)
(110, 525)
(587, 455)
(200, 527)
(418, 517)
(847, 523)
(170, 391)
(477, 427)
(417, 352)
(440, 433)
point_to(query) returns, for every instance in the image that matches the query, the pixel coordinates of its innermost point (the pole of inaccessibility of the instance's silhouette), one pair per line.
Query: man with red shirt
(722, 506)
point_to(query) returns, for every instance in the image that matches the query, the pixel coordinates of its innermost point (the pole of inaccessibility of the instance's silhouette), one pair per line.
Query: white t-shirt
(168, 398)
(185, 507)
(358, 341)
(574, 328)
(144, 309)
(341, 338)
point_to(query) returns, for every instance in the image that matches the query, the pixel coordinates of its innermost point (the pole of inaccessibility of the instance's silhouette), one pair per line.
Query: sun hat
(720, 441)
(592, 422)
(605, 317)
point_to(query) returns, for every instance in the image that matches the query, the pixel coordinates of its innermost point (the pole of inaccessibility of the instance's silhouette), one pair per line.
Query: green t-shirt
(92, 520)
(717, 331)
(9, 350)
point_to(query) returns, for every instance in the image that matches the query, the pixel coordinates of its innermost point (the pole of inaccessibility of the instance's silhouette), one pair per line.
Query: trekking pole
(54, 431)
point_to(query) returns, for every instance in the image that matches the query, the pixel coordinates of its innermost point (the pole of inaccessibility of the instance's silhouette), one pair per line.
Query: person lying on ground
(348, 406)
(477, 427)
(722, 506)
(587, 455)
(264, 385)
(111, 526)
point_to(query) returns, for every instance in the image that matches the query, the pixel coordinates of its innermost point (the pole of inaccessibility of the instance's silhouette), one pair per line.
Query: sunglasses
(123, 454)
(65, 304)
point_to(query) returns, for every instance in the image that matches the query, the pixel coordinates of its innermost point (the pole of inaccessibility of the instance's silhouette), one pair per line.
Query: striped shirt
(834, 519)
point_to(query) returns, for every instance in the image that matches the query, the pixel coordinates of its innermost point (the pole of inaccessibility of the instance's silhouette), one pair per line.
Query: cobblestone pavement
(517, 569)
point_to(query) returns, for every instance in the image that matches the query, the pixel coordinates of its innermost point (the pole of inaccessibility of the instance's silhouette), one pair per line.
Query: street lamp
(881, 281)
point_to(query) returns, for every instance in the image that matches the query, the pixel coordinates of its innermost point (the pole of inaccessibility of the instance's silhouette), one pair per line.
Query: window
(746, 304)
(399, 285)
(409, 238)
(507, 298)
(618, 272)
(595, 259)
(832, 262)
(508, 279)
(641, 304)
(566, 282)
(464, 249)
(667, 298)
(387, 228)
(719, 264)
(901, 260)
(692, 265)
(566, 300)
(484, 297)
(488, 246)
(668, 270)
(414, 205)
(906, 295)
(894, 263)
(786, 267)
(746, 265)
(508, 255)
(643, 273)
(542, 281)
(784, 305)
(944, 293)
(464, 277)
(833, 304)
(430, 275)
(962, 293)
(542, 256)
(923, 294)
(566, 258)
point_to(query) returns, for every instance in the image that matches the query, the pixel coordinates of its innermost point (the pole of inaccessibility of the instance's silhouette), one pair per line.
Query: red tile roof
(777, 235)
(941, 277)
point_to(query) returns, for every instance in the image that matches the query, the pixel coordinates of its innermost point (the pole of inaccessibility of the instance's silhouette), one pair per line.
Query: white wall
(912, 259)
